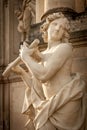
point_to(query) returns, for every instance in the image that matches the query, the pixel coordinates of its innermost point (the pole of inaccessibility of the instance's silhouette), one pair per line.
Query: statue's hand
(25, 51)
(17, 69)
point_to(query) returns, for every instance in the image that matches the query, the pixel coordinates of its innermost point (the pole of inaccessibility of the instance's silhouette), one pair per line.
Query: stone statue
(25, 16)
(54, 98)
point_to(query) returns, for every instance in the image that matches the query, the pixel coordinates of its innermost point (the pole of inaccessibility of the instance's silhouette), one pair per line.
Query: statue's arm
(56, 62)
(53, 64)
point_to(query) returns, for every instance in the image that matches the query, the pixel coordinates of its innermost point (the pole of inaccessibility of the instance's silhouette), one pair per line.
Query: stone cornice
(11, 79)
(79, 38)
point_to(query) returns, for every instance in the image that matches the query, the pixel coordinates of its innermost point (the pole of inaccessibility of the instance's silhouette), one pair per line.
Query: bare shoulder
(65, 46)
(64, 49)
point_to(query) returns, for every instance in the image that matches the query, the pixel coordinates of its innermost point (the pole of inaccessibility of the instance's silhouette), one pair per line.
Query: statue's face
(55, 30)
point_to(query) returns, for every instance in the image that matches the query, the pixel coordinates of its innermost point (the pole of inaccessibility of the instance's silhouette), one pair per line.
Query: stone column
(80, 5)
(39, 10)
(1, 63)
(1, 33)
(86, 4)
(50, 4)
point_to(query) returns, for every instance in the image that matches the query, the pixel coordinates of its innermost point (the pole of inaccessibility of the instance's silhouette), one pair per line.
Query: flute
(18, 59)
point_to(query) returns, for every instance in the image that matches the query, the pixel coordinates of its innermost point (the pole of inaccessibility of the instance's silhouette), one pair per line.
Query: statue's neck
(53, 44)
(56, 43)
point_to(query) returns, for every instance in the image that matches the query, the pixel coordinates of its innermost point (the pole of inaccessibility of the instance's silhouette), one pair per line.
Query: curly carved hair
(65, 24)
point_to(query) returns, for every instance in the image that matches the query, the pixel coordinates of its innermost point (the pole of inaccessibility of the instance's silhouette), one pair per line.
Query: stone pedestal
(50, 4)
(80, 5)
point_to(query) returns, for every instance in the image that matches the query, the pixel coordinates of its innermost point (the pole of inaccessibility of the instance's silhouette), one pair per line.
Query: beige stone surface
(80, 61)
(17, 120)
(39, 10)
(80, 52)
(80, 5)
(49, 4)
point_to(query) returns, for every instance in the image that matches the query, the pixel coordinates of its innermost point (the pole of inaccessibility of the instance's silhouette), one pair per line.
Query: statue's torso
(62, 76)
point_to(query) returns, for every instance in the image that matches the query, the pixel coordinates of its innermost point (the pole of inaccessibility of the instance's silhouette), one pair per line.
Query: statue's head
(56, 21)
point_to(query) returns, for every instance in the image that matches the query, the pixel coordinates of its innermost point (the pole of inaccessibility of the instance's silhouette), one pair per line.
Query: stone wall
(17, 119)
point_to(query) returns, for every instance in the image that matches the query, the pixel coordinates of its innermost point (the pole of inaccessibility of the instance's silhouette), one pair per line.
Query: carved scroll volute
(25, 16)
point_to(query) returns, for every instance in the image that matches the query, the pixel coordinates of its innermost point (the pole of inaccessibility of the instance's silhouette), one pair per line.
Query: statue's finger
(21, 46)
(25, 44)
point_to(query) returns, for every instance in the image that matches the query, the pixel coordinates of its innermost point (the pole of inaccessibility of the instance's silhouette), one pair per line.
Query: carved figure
(25, 16)
(55, 97)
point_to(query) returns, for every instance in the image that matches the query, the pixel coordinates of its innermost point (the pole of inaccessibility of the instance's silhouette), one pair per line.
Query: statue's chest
(47, 55)
(46, 58)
